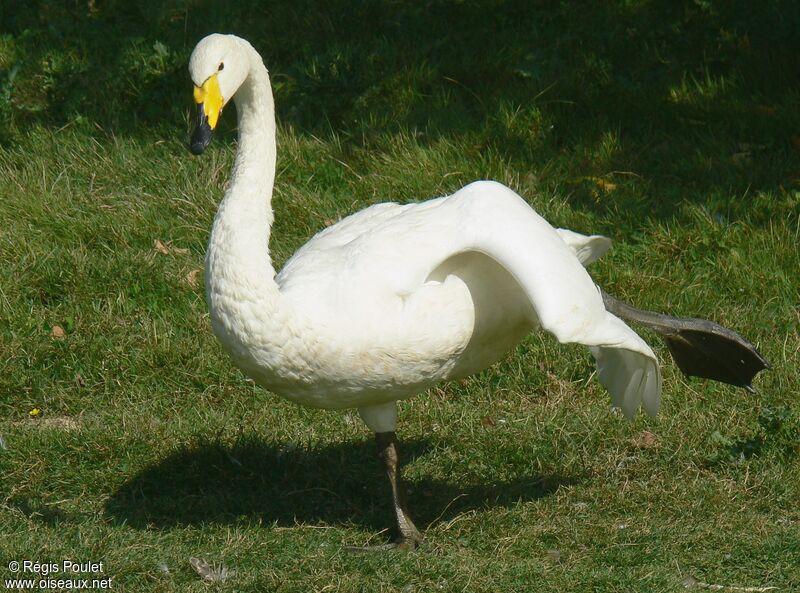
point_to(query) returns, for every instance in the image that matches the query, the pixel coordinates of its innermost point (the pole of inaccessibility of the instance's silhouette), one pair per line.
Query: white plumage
(395, 298)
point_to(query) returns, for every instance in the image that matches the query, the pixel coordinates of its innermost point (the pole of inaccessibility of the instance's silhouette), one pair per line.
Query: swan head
(218, 66)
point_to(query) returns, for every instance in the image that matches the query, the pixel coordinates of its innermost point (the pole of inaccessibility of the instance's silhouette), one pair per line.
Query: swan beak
(209, 107)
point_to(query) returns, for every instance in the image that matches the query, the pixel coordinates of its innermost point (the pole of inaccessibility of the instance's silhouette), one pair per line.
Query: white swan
(395, 298)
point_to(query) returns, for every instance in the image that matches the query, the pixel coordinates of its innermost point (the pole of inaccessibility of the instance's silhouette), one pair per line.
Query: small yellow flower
(35, 413)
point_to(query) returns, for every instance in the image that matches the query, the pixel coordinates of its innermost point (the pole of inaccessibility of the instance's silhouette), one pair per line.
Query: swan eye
(221, 66)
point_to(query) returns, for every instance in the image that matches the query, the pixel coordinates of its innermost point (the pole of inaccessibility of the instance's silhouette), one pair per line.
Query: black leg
(409, 536)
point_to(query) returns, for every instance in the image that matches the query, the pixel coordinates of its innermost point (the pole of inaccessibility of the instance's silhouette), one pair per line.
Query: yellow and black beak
(209, 107)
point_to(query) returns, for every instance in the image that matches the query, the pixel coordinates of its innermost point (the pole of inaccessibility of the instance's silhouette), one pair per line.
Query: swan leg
(700, 348)
(409, 536)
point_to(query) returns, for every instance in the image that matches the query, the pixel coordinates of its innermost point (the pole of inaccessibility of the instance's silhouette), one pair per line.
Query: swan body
(395, 298)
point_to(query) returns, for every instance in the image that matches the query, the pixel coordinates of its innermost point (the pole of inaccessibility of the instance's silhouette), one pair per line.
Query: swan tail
(587, 248)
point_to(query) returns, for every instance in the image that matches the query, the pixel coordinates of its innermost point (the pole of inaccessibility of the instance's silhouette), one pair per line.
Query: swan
(397, 298)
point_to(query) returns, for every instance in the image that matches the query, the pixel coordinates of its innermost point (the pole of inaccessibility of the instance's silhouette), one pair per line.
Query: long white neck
(242, 226)
(240, 279)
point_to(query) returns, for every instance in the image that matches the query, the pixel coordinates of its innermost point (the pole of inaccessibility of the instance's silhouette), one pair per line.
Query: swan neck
(249, 314)
(240, 235)
(254, 167)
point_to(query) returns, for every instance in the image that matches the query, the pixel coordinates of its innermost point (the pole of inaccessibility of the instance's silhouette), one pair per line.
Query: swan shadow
(277, 485)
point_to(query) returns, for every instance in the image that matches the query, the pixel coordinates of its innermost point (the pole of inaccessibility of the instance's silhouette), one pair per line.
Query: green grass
(672, 127)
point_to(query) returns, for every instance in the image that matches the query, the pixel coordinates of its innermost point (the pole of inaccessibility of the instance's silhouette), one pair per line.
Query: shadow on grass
(332, 484)
(34, 509)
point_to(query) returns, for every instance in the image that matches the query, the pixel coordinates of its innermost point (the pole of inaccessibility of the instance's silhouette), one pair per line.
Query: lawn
(672, 127)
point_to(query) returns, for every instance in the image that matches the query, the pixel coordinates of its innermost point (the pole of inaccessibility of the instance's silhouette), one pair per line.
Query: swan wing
(548, 264)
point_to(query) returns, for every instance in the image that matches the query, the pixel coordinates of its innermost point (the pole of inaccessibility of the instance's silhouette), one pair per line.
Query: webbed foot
(700, 348)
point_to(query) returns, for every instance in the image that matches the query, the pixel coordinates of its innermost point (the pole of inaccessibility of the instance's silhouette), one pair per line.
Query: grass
(670, 126)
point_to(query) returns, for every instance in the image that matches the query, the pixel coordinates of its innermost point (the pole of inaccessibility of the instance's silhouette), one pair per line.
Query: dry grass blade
(168, 248)
(160, 247)
(191, 278)
(644, 440)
